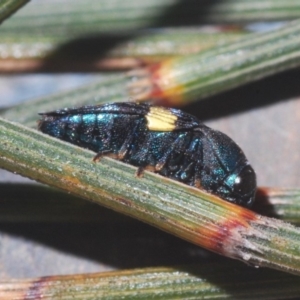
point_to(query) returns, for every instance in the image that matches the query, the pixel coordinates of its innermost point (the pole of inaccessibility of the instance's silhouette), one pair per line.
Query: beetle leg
(197, 183)
(128, 142)
(198, 168)
(140, 172)
(106, 142)
(99, 155)
(177, 145)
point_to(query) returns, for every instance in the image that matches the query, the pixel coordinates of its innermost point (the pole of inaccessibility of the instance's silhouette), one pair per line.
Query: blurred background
(263, 117)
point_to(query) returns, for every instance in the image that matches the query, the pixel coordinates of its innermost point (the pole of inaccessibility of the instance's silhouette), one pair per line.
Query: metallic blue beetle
(164, 140)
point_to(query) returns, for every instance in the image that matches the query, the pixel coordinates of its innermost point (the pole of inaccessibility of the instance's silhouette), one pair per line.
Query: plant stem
(8, 7)
(213, 281)
(186, 212)
(29, 52)
(49, 205)
(67, 17)
(184, 79)
(281, 203)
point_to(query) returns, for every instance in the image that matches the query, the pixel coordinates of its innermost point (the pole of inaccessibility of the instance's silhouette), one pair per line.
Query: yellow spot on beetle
(161, 119)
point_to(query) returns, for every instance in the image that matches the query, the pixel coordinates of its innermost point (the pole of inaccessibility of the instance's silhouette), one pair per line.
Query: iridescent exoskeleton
(165, 140)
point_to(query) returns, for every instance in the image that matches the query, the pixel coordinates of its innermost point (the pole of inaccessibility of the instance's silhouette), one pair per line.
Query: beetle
(164, 140)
